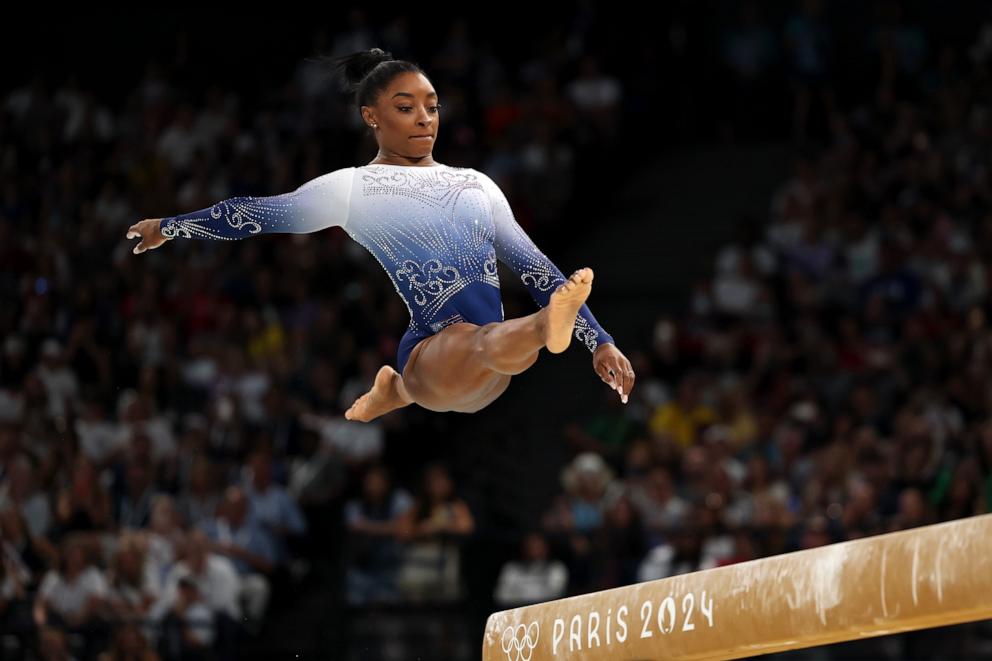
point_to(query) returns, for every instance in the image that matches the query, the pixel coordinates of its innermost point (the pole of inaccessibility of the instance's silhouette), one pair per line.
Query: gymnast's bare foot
(387, 394)
(563, 307)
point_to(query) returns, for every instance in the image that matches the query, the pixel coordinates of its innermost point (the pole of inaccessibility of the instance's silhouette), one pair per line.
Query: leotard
(437, 231)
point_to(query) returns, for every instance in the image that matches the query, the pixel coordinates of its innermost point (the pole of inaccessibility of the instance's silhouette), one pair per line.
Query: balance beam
(913, 579)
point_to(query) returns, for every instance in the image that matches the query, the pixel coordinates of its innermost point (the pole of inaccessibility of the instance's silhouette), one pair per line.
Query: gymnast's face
(407, 109)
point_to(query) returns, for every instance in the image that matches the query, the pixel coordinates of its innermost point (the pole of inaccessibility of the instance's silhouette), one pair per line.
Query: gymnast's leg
(512, 346)
(465, 367)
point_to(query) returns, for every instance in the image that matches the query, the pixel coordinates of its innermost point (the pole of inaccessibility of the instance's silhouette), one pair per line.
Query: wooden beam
(913, 579)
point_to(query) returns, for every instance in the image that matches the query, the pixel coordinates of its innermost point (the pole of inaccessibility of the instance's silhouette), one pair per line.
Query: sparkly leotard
(437, 231)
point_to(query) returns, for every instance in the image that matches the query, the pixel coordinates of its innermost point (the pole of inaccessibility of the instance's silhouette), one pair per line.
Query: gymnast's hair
(367, 73)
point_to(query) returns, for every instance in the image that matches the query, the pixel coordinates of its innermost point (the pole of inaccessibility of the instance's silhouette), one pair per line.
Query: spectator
(272, 506)
(198, 504)
(133, 506)
(188, 629)
(215, 576)
(52, 645)
(100, 440)
(84, 505)
(33, 552)
(597, 96)
(129, 644)
(74, 596)
(681, 555)
(163, 538)
(15, 578)
(18, 489)
(375, 553)
(61, 384)
(218, 584)
(236, 534)
(577, 516)
(133, 586)
(534, 578)
(683, 417)
(658, 506)
(433, 529)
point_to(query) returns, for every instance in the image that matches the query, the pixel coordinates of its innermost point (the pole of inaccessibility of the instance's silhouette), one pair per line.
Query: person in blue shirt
(438, 232)
(238, 534)
(272, 506)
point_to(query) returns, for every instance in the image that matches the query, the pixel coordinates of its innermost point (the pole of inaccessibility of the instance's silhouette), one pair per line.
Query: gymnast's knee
(480, 339)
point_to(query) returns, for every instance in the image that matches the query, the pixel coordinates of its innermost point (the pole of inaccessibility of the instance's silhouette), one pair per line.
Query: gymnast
(438, 231)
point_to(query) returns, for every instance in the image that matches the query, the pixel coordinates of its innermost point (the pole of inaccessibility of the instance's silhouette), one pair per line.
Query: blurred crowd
(172, 442)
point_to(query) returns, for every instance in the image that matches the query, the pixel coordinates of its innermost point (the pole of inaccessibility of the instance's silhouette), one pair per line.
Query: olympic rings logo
(519, 641)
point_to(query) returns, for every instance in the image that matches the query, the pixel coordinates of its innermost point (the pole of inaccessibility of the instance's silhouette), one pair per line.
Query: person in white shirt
(74, 593)
(218, 586)
(18, 490)
(60, 382)
(188, 629)
(74, 597)
(214, 575)
(533, 579)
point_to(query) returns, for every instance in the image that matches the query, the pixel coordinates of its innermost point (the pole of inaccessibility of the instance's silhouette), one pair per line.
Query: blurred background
(787, 208)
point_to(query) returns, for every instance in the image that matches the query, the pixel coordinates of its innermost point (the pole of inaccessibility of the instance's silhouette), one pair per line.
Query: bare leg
(464, 361)
(512, 346)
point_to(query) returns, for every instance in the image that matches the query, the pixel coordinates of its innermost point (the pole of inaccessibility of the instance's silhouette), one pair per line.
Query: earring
(375, 126)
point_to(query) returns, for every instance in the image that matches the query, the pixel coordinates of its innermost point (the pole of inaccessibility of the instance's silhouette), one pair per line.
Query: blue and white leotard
(437, 231)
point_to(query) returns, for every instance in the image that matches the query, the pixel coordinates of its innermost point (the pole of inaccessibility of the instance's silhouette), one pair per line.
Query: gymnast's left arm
(541, 277)
(319, 203)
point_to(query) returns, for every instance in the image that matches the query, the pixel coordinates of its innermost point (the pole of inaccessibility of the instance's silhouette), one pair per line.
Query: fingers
(629, 383)
(624, 377)
(134, 233)
(616, 382)
(616, 379)
(622, 380)
(604, 374)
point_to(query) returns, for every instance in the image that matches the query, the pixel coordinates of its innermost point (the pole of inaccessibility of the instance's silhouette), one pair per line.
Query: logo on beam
(519, 641)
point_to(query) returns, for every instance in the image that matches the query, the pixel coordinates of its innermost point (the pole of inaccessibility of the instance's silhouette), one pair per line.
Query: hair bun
(361, 74)
(356, 66)
(381, 54)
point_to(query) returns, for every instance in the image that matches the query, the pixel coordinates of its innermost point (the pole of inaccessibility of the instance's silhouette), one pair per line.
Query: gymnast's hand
(614, 369)
(149, 233)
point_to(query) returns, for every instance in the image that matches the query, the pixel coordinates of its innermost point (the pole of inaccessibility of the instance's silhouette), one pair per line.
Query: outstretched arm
(541, 277)
(319, 203)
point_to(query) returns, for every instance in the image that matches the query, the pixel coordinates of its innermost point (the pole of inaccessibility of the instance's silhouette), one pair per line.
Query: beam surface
(925, 577)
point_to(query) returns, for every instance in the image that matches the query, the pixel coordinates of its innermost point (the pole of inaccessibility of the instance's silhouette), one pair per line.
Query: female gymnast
(438, 231)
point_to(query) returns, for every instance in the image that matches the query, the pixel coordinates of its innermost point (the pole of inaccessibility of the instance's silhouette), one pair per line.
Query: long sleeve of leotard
(319, 203)
(538, 273)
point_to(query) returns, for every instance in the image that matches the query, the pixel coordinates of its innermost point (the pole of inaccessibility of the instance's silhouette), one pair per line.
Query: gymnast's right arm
(319, 203)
